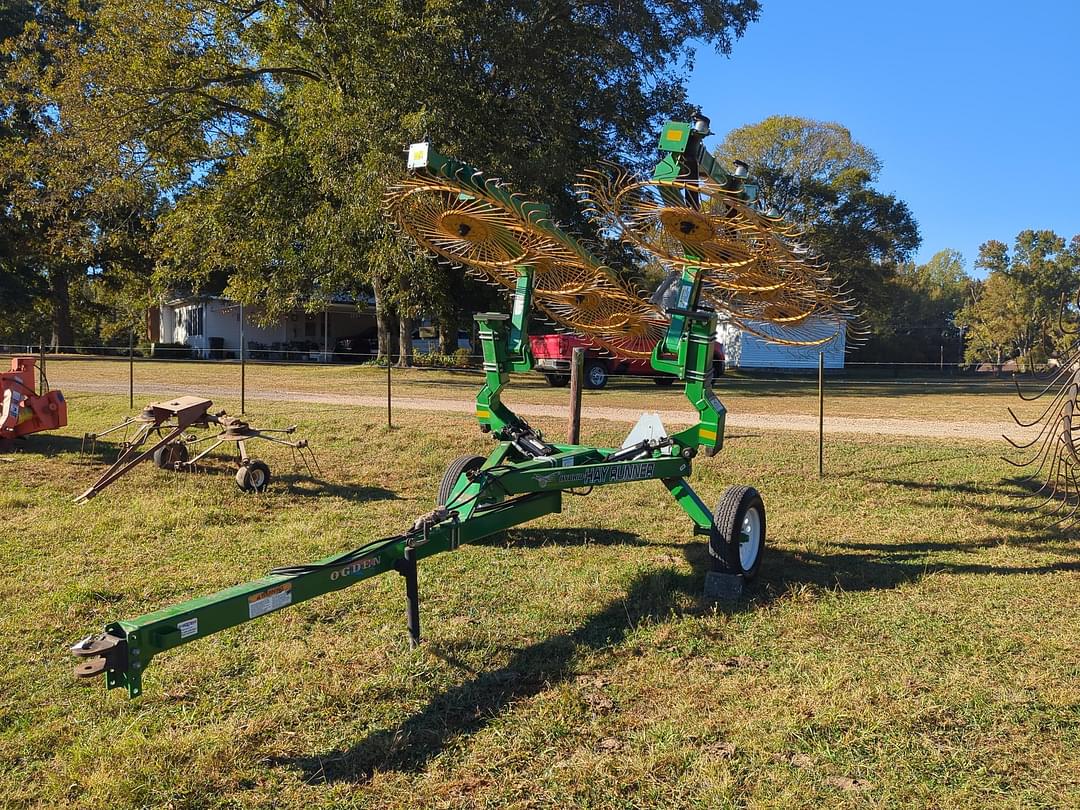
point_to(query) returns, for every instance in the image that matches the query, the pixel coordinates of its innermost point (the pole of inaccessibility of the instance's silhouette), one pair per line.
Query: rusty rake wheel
(1052, 469)
(754, 269)
(491, 239)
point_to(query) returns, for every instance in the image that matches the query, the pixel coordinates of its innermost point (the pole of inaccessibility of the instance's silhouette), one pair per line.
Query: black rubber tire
(165, 457)
(666, 381)
(458, 467)
(253, 476)
(718, 368)
(596, 375)
(724, 539)
(557, 380)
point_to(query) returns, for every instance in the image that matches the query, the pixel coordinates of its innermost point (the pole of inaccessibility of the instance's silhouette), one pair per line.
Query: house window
(191, 319)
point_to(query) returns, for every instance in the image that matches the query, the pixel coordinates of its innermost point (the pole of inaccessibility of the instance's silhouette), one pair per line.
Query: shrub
(170, 351)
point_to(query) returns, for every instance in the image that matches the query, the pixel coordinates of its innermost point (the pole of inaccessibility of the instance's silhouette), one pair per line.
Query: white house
(744, 349)
(210, 325)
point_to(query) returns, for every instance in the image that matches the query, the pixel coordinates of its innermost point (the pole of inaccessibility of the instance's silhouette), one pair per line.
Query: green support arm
(688, 345)
(505, 344)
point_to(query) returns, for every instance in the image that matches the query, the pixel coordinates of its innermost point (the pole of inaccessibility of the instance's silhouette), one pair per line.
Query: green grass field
(910, 641)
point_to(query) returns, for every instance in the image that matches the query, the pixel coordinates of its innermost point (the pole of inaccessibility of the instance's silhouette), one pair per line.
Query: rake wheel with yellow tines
(751, 266)
(481, 227)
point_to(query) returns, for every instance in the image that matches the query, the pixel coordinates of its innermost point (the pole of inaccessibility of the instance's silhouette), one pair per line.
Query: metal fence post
(243, 360)
(577, 370)
(131, 368)
(821, 415)
(389, 420)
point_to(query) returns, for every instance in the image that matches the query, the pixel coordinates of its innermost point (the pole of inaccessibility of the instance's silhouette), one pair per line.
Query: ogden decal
(354, 568)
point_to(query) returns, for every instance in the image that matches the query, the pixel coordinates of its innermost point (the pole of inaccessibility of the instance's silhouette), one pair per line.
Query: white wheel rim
(749, 538)
(596, 375)
(257, 478)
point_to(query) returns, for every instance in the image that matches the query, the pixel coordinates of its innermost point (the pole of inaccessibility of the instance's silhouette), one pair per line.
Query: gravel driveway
(984, 431)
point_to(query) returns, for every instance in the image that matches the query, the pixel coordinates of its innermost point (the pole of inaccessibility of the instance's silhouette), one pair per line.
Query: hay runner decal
(599, 475)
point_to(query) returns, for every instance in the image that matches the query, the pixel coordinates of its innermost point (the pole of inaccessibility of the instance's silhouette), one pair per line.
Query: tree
(821, 179)
(921, 327)
(274, 127)
(1018, 311)
(75, 222)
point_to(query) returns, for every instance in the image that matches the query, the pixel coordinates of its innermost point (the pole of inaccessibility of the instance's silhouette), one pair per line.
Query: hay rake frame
(522, 478)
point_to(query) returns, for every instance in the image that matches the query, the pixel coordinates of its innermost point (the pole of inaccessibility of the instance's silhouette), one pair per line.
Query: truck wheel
(167, 457)
(596, 375)
(458, 467)
(557, 380)
(718, 368)
(665, 381)
(737, 538)
(253, 476)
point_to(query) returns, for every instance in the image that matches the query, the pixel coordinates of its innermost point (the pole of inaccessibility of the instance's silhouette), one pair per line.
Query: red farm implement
(22, 409)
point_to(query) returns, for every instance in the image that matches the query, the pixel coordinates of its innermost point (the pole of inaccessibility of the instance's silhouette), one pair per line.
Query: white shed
(210, 325)
(744, 349)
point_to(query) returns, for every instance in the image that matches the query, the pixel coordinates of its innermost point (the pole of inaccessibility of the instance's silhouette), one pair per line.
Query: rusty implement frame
(168, 421)
(172, 418)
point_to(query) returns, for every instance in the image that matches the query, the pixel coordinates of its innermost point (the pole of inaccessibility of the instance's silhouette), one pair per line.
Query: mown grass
(983, 399)
(911, 639)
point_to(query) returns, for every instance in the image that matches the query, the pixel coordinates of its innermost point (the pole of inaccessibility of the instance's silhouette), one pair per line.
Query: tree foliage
(921, 327)
(1020, 309)
(822, 179)
(270, 129)
(76, 222)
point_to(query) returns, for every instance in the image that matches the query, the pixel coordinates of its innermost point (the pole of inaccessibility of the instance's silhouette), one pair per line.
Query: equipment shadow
(308, 487)
(48, 445)
(656, 597)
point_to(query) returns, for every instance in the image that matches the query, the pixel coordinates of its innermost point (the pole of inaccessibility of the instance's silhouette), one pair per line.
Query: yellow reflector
(674, 135)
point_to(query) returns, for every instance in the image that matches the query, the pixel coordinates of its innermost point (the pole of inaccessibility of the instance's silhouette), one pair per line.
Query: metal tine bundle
(754, 270)
(1056, 460)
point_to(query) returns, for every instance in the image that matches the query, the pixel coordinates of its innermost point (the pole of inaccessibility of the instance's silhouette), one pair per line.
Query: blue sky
(973, 107)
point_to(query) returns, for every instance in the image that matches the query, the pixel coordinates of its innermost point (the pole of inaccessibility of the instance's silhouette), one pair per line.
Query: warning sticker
(188, 628)
(268, 600)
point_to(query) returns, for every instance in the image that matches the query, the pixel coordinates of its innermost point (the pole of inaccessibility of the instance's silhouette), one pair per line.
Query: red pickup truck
(552, 355)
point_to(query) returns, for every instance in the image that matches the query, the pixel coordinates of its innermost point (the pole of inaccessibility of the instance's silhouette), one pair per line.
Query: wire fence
(296, 376)
(463, 360)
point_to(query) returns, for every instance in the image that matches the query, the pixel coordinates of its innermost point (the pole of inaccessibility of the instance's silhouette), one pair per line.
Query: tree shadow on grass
(655, 596)
(866, 566)
(860, 472)
(1028, 516)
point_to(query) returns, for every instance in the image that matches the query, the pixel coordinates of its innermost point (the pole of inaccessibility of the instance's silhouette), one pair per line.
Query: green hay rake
(454, 211)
